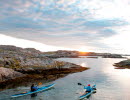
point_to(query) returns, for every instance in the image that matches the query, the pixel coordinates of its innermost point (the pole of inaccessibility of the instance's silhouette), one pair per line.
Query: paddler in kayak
(33, 88)
(88, 88)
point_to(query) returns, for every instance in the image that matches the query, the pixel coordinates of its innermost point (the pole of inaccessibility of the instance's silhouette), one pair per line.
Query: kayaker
(88, 88)
(33, 88)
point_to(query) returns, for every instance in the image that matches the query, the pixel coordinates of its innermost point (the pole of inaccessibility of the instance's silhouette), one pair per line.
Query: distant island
(77, 54)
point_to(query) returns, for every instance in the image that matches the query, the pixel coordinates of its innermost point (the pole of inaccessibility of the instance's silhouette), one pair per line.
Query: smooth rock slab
(7, 73)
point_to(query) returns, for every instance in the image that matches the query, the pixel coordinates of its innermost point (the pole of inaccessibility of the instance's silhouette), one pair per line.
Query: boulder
(7, 73)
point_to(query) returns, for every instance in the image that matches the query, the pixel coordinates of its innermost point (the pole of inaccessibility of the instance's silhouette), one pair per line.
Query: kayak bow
(38, 90)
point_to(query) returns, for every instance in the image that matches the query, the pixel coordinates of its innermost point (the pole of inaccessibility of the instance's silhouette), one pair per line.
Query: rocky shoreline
(123, 64)
(26, 65)
(42, 74)
(20, 66)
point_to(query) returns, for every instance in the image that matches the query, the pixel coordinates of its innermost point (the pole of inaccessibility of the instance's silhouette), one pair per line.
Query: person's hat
(88, 84)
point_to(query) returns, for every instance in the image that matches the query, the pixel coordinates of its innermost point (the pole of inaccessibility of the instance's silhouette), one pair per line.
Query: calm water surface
(112, 84)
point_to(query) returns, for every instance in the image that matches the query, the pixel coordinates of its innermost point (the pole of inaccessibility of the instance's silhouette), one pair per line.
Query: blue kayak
(88, 94)
(38, 90)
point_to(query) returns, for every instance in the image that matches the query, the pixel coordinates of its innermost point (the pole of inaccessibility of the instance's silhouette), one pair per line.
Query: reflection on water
(112, 84)
(122, 75)
(83, 65)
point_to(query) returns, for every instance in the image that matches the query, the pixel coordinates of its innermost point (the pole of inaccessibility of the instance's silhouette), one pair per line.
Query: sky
(84, 25)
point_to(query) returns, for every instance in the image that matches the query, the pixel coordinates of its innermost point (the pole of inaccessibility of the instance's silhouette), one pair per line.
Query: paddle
(81, 84)
(80, 92)
(40, 83)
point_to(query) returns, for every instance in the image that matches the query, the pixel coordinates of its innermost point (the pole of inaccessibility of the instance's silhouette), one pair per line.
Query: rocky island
(18, 65)
(123, 64)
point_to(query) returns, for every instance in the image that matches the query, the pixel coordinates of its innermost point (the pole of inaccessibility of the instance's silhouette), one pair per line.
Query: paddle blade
(79, 84)
(39, 83)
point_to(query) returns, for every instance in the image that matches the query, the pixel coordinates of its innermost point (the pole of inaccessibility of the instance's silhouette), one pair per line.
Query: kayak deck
(88, 94)
(38, 90)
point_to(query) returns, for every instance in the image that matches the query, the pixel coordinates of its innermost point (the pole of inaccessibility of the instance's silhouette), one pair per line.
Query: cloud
(107, 33)
(68, 23)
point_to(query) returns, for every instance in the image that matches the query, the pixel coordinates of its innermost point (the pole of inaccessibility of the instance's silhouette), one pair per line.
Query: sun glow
(83, 64)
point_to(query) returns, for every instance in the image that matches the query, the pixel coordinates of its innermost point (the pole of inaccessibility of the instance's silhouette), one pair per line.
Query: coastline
(45, 75)
(123, 64)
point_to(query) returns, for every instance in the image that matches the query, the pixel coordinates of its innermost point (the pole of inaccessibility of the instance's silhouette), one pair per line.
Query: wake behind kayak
(38, 90)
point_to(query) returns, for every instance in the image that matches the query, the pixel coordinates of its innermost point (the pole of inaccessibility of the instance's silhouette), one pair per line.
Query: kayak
(88, 94)
(38, 90)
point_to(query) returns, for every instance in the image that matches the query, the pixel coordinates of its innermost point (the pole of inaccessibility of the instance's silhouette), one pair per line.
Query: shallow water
(112, 84)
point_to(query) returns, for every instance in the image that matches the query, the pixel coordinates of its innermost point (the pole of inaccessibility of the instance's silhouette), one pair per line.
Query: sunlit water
(112, 84)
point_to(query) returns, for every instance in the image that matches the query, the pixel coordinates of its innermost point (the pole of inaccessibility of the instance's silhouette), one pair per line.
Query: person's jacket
(88, 88)
(34, 88)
